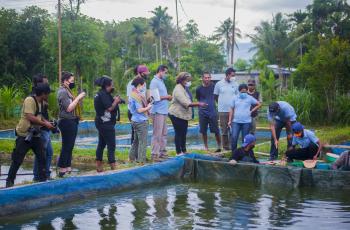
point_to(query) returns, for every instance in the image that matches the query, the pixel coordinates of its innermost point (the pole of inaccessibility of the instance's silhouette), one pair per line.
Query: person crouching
(307, 140)
(139, 109)
(245, 153)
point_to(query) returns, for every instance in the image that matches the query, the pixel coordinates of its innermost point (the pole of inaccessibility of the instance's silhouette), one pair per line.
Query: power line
(183, 10)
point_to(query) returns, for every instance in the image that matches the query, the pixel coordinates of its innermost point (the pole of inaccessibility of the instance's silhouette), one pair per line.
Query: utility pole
(233, 31)
(59, 42)
(177, 38)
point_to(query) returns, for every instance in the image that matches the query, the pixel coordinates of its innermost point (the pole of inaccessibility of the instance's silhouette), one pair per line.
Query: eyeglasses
(251, 85)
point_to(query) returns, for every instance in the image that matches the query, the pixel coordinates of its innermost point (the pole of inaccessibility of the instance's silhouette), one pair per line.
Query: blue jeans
(236, 128)
(279, 125)
(46, 141)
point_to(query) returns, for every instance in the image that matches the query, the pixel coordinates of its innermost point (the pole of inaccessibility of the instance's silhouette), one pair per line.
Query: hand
(48, 125)
(229, 124)
(81, 95)
(276, 144)
(149, 106)
(202, 104)
(117, 99)
(169, 97)
(315, 157)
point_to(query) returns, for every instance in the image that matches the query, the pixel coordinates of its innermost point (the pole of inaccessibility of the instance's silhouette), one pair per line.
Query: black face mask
(112, 90)
(144, 76)
(71, 85)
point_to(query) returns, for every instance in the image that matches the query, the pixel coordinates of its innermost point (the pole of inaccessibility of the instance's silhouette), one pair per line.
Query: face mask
(71, 85)
(144, 76)
(165, 76)
(112, 90)
(243, 95)
(143, 89)
(188, 84)
(298, 134)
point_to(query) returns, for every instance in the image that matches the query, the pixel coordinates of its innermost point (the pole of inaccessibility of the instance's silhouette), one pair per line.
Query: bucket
(323, 166)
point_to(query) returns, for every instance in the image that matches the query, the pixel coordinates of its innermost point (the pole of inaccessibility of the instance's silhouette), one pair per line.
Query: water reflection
(196, 206)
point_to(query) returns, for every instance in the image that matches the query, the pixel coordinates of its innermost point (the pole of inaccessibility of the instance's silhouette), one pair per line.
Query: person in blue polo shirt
(280, 115)
(240, 115)
(159, 114)
(310, 145)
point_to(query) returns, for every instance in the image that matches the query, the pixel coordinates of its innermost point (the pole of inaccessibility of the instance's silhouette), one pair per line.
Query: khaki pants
(223, 117)
(160, 132)
(139, 145)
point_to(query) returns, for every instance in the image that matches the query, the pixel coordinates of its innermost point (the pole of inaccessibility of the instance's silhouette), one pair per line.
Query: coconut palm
(159, 24)
(223, 33)
(191, 30)
(138, 31)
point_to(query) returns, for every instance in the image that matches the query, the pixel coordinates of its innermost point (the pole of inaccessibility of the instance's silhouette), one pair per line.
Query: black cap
(274, 107)
(242, 86)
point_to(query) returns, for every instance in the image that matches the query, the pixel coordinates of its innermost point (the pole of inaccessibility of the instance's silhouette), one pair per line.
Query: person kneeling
(343, 162)
(245, 153)
(309, 143)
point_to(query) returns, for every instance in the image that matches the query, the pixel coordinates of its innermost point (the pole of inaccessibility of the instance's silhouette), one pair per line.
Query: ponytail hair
(103, 81)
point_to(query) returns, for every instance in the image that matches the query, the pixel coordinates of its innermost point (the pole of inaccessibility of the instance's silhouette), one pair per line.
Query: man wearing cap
(225, 91)
(280, 115)
(307, 140)
(28, 133)
(252, 92)
(139, 71)
(245, 153)
(159, 112)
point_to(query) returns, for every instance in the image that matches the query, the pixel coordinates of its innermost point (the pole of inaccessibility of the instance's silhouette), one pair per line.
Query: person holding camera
(28, 133)
(69, 116)
(107, 113)
(45, 132)
(139, 109)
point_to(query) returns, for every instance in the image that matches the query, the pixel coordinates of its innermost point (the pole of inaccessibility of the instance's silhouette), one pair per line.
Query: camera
(122, 101)
(31, 132)
(55, 129)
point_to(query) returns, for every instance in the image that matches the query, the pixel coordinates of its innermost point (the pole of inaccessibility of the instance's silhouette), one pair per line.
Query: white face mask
(188, 84)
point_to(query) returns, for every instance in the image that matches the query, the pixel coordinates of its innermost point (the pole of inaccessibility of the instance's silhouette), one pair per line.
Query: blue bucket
(324, 166)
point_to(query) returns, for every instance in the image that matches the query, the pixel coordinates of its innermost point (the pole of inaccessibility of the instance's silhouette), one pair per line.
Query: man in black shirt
(252, 92)
(208, 115)
(245, 153)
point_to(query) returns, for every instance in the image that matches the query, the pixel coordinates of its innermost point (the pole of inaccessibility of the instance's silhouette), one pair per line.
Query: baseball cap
(248, 139)
(142, 69)
(297, 127)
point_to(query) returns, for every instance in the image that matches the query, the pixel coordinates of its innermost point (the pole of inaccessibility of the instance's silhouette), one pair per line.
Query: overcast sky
(207, 13)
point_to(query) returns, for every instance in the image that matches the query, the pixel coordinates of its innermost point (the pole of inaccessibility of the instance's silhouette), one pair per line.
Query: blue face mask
(243, 95)
(165, 76)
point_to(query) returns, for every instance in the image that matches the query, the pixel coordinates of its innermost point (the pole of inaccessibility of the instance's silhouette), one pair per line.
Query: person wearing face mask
(106, 108)
(139, 109)
(68, 120)
(225, 91)
(240, 116)
(307, 140)
(180, 110)
(280, 115)
(254, 93)
(245, 153)
(139, 71)
(159, 114)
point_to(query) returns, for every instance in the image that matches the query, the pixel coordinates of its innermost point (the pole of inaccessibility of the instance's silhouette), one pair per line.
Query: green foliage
(241, 65)
(9, 100)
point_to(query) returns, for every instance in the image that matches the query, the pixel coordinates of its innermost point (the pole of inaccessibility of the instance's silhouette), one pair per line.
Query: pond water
(87, 136)
(196, 205)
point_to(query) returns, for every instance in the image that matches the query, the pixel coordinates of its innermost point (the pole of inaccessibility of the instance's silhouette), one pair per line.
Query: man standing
(28, 133)
(252, 92)
(225, 91)
(159, 113)
(139, 71)
(280, 115)
(208, 115)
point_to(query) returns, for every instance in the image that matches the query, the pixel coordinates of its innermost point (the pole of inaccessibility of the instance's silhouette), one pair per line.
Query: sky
(207, 13)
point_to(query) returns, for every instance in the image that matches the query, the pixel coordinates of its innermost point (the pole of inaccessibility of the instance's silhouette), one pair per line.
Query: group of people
(227, 108)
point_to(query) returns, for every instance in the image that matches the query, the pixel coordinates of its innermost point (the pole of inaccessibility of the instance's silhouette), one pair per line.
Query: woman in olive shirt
(180, 111)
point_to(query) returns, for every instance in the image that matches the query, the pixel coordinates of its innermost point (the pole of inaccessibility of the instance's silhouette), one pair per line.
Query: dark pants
(19, 153)
(302, 153)
(180, 128)
(69, 130)
(106, 136)
(48, 151)
(132, 128)
(279, 125)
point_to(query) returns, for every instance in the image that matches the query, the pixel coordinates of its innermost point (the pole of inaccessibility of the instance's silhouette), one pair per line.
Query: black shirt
(241, 155)
(256, 95)
(102, 101)
(206, 95)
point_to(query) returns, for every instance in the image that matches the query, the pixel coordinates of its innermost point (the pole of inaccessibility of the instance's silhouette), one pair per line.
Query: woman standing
(240, 116)
(69, 116)
(180, 110)
(139, 109)
(106, 108)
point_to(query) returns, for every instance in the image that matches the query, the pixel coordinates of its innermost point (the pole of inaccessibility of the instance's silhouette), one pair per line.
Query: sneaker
(218, 151)
(180, 154)
(164, 156)
(61, 174)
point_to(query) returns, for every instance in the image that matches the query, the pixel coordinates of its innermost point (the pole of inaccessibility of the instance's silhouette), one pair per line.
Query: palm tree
(191, 30)
(224, 33)
(138, 31)
(159, 23)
